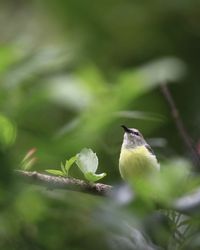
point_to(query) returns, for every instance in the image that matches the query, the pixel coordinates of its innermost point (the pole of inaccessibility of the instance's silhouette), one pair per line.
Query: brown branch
(56, 182)
(187, 204)
(179, 124)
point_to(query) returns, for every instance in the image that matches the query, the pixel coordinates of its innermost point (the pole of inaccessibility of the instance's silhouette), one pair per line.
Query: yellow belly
(137, 162)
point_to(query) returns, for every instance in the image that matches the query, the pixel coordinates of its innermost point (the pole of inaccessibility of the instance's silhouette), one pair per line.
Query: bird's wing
(149, 149)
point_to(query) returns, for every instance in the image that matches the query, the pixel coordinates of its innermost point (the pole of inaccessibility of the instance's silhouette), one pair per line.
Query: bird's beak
(127, 130)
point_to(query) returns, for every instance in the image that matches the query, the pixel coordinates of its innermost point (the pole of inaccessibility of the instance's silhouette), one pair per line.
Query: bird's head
(132, 138)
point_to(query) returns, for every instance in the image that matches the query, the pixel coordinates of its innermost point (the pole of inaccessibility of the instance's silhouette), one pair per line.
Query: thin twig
(56, 182)
(179, 124)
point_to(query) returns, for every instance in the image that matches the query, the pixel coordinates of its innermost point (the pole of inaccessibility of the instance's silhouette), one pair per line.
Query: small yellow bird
(136, 158)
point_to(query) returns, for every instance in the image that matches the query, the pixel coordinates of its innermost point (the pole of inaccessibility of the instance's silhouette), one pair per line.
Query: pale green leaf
(28, 160)
(29, 154)
(55, 172)
(87, 161)
(27, 165)
(7, 131)
(92, 177)
(8, 55)
(69, 163)
(63, 169)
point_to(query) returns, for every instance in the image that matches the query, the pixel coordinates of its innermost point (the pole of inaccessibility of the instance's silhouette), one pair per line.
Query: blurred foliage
(71, 72)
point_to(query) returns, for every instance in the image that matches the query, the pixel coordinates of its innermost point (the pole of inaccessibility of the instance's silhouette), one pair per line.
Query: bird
(137, 159)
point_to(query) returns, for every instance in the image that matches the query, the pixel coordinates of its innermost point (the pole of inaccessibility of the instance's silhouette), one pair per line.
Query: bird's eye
(136, 133)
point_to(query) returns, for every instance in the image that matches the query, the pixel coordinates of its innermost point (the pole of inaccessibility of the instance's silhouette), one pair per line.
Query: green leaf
(27, 165)
(29, 154)
(87, 161)
(63, 169)
(8, 55)
(92, 177)
(55, 172)
(7, 132)
(29, 160)
(69, 163)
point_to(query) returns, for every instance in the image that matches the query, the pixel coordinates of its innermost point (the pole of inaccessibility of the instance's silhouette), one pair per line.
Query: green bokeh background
(72, 72)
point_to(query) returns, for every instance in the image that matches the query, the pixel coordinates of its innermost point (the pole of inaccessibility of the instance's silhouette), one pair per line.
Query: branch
(179, 124)
(55, 182)
(187, 204)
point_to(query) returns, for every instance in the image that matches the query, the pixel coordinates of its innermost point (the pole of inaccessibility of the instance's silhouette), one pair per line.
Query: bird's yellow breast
(137, 162)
